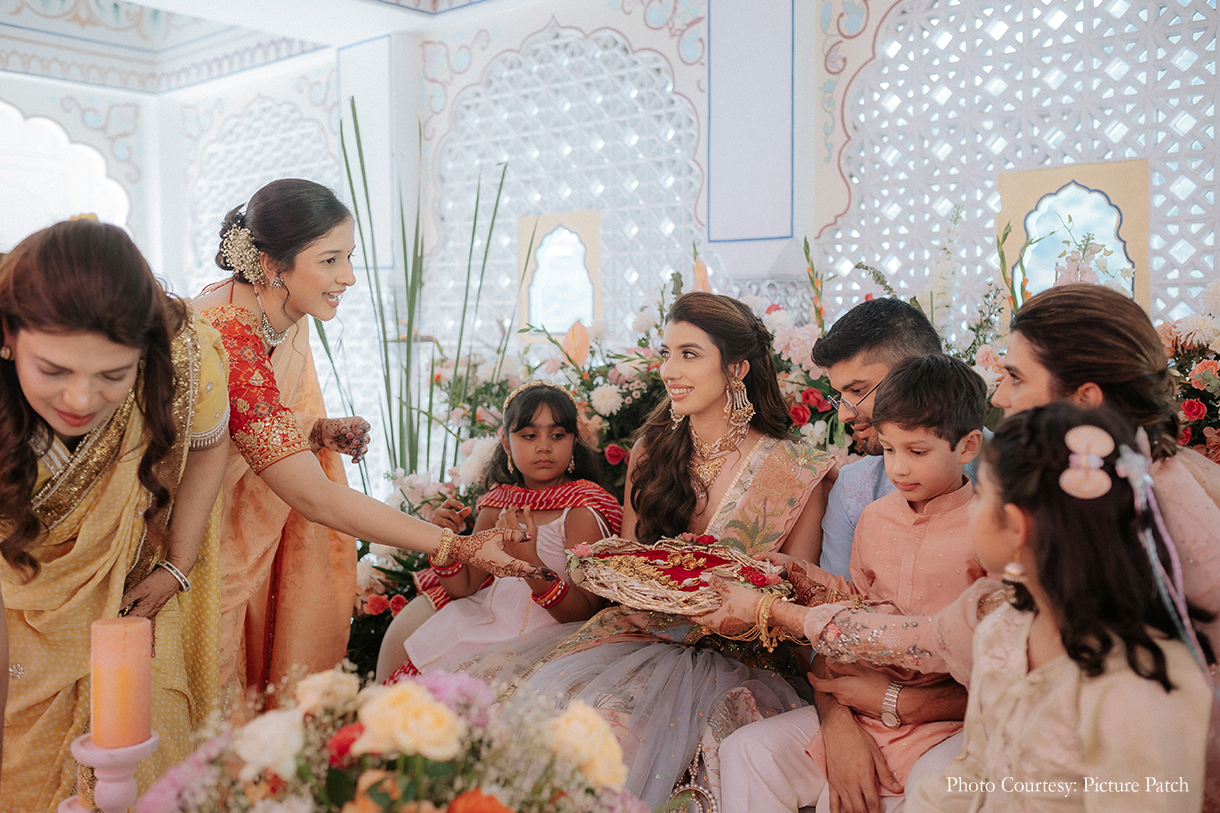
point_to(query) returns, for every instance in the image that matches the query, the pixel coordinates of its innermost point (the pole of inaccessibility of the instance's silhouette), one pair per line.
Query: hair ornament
(1084, 478)
(238, 249)
(529, 385)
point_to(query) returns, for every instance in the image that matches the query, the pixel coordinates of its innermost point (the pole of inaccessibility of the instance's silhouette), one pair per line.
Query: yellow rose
(582, 736)
(326, 690)
(405, 719)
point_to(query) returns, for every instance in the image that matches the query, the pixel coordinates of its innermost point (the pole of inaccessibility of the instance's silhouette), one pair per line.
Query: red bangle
(448, 570)
(553, 596)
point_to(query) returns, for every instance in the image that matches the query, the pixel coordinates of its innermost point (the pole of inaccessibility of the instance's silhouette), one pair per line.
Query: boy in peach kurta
(911, 549)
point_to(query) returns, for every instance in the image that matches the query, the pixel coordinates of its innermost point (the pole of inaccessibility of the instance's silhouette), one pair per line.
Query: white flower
(270, 742)
(606, 399)
(292, 804)
(1209, 299)
(367, 577)
(324, 690)
(646, 321)
(386, 553)
(991, 377)
(472, 469)
(631, 367)
(406, 719)
(581, 736)
(1198, 330)
(597, 331)
(754, 303)
(777, 319)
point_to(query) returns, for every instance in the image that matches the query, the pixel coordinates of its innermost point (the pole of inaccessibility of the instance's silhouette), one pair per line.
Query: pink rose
(615, 454)
(800, 414)
(1194, 409)
(582, 550)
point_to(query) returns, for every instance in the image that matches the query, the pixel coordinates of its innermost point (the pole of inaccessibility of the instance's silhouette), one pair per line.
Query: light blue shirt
(858, 485)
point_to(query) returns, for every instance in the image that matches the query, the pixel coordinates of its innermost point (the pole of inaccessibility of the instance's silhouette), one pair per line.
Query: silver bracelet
(183, 582)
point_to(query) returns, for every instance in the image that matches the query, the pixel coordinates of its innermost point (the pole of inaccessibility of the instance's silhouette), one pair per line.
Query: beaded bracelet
(552, 596)
(446, 571)
(184, 584)
(444, 551)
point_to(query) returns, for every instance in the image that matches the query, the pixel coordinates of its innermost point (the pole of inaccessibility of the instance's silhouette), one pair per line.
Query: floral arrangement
(425, 745)
(383, 587)
(1193, 346)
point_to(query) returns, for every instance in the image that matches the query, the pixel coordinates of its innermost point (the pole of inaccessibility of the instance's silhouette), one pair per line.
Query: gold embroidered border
(271, 439)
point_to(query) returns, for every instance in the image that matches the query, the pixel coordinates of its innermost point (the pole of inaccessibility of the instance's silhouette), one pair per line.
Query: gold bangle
(444, 551)
(763, 615)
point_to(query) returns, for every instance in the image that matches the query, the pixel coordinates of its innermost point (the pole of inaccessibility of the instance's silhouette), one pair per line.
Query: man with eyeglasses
(857, 353)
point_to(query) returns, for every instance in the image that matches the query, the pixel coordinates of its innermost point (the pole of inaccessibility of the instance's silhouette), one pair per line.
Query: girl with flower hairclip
(1091, 679)
(543, 480)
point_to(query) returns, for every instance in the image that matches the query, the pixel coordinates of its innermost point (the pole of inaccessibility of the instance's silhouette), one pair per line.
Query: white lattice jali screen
(584, 122)
(962, 90)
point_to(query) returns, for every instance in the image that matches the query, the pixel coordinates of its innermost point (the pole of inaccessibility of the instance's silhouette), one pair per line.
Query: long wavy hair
(82, 276)
(1090, 333)
(661, 491)
(1089, 558)
(563, 411)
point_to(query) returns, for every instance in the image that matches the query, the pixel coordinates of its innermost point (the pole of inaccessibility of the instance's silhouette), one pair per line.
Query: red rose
(773, 308)
(705, 539)
(1194, 409)
(397, 603)
(376, 604)
(754, 576)
(1184, 436)
(868, 297)
(814, 398)
(800, 414)
(615, 454)
(339, 746)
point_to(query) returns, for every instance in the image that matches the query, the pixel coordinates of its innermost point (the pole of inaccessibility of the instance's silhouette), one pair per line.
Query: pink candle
(122, 682)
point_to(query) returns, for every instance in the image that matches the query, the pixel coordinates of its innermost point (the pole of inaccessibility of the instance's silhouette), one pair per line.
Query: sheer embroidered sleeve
(264, 430)
(939, 643)
(211, 421)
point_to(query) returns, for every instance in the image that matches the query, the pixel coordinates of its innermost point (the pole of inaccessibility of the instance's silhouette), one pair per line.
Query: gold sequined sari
(92, 503)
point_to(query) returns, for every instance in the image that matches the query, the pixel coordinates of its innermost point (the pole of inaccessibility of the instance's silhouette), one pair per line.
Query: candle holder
(115, 769)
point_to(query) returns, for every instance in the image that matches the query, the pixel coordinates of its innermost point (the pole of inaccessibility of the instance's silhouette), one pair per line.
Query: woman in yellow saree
(112, 413)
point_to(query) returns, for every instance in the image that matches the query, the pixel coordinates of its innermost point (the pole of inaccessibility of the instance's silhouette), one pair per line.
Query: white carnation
(777, 320)
(606, 399)
(1209, 300)
(1198, 330)
(754, 303)
(478, 457)
(367, 576)
(271, 742)
(646, 321)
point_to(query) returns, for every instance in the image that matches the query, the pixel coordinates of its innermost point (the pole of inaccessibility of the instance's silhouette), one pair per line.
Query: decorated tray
(666, 576)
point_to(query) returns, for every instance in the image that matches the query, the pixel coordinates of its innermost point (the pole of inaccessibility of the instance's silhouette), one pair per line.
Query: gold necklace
(714, 455)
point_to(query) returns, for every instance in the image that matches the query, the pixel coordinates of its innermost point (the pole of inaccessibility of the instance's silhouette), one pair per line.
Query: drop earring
(509, 462)
(572, 463)
(675, 420)
(6, 353)
(1015, 573)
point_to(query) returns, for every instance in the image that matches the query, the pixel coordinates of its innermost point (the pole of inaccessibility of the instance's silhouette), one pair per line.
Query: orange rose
(476, 801)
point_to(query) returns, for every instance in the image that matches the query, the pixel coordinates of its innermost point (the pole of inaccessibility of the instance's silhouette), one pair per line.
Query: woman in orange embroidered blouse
(288, 564)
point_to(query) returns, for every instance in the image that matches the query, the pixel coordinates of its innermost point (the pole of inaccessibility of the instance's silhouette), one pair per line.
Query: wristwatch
(889, 706)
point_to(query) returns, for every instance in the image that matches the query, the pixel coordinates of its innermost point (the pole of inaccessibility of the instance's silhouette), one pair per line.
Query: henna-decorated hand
(348, 436)
(738, 610)
(485, 550)
(527, 548)
(806, 591)
(451, 514)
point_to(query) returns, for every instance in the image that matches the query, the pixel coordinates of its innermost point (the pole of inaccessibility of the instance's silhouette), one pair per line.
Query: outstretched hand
(349, 436)
(485, 550)
(738, 608)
